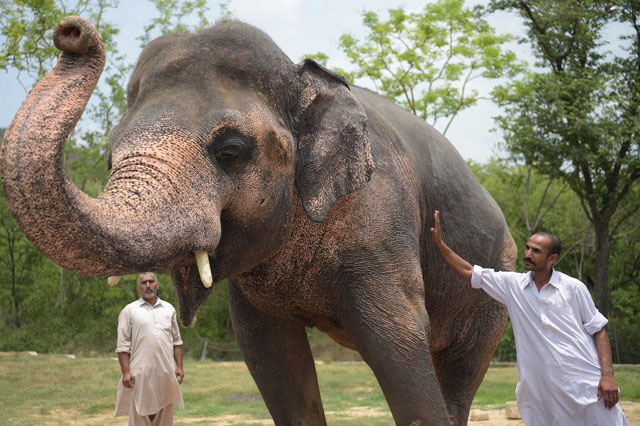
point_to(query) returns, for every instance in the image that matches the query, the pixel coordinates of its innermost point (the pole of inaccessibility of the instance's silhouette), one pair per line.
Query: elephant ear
(334, 155)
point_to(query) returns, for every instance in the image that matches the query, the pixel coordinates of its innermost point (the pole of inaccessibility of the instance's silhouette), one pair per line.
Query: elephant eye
(228, 152)
(229, 148)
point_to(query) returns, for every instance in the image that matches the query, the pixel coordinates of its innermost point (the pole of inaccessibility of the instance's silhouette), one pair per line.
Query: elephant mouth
(202, 263)
(193, 281)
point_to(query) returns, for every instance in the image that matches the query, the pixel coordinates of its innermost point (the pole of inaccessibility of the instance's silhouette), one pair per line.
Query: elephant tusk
(114, 280)
(202, 259)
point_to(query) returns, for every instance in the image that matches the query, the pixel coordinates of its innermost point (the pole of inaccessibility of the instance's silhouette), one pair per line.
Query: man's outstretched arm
(461, 266)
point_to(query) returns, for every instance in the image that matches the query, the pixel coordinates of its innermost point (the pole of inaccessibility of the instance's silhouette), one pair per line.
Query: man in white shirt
(148, 344)
(563, 350)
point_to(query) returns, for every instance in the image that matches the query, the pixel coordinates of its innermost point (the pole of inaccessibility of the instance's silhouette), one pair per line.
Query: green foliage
(532, 202)
(523, 193)
(625, 297)
(506, 350)
(425, 61)
(172, 16)
(577, 116)
(321, 58)
(65, 312)
(20, 264)
(27, 29)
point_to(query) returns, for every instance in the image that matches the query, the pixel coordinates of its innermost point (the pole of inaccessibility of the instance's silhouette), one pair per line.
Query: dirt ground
(496, 418)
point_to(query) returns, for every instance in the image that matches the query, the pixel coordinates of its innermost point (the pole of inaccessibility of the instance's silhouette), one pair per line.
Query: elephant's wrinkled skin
(313, 199)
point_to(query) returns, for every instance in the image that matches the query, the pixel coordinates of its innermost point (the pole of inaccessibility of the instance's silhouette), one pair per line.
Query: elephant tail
(509, 253)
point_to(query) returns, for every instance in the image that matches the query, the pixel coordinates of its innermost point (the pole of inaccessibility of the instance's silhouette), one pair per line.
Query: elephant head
(224, 137)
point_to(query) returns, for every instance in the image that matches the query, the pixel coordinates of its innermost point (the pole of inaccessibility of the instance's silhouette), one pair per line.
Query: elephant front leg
(391, 333)
(279, 358)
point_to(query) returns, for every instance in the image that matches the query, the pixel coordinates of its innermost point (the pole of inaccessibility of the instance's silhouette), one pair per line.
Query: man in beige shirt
(148, 344)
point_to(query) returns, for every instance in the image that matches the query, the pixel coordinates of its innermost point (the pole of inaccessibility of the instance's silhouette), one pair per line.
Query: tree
(532, 202)
(576, 116)
(172, 14)
(18, 262)
(27, 29)
(625, 295)
(510, 184)
(426, 61)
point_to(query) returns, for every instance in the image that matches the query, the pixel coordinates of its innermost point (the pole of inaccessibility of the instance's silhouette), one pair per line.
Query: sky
(302, 27)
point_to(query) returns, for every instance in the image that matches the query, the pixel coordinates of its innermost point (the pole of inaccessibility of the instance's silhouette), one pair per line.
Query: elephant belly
(334, 329)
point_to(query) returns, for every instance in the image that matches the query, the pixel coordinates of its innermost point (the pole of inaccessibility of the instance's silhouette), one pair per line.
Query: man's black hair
(555, 246)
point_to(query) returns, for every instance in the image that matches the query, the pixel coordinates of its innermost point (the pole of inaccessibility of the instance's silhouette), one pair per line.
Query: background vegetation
(570, 132)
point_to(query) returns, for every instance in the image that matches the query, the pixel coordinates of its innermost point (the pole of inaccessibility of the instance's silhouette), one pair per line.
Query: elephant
(312, 197)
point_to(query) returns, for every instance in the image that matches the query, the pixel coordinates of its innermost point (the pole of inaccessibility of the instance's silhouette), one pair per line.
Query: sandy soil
(496, 418)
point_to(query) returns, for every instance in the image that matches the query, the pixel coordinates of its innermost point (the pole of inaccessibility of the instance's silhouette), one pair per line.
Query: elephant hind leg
(461, 365)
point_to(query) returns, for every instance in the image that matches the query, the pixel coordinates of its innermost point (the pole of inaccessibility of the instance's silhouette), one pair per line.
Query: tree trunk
(601, 268)
(14, 293)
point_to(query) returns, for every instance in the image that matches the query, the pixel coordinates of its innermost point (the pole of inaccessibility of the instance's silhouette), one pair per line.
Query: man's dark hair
(555, 246)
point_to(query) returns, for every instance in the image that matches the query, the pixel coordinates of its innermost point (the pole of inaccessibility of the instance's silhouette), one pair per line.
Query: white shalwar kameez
(149, 333)
(558, 365)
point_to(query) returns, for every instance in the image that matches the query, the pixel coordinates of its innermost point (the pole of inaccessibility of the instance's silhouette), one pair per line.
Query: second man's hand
(179, 374)
(435, 231)
(461, 266)
(128, 380)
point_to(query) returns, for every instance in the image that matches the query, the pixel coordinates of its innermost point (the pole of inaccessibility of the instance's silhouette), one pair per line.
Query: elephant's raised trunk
(110, 235)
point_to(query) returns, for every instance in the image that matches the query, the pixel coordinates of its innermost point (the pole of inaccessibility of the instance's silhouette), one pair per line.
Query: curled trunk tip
(44, 202)
(76, 35)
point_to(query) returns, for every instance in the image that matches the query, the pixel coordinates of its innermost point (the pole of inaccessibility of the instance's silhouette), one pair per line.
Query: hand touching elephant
(312, 198)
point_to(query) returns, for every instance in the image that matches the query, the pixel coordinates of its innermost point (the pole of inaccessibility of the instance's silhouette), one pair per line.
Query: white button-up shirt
(149, 333)
(558, 365)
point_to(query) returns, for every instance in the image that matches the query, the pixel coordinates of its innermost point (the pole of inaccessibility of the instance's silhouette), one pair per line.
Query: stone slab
(511, 410)
(478, 415)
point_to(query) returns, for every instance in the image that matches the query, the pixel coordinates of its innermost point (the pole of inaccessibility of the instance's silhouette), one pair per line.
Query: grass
(498, 386)
(56, 390)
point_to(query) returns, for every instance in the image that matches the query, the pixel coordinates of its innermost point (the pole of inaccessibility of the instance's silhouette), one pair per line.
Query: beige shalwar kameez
(149, 333)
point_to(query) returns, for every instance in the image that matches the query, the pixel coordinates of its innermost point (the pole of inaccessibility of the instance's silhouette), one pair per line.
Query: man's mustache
(529, 260)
